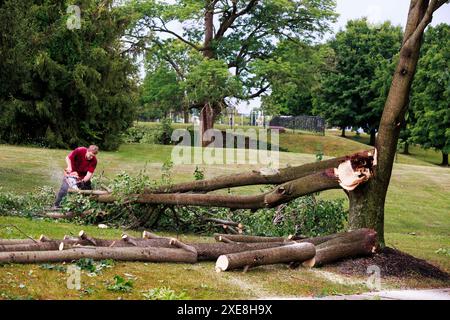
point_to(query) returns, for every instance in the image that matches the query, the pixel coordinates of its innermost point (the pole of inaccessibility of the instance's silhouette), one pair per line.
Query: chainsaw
(72, 181)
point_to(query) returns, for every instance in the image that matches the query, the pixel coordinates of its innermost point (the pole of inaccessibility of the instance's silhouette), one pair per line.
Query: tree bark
(298, 252)
(360, 235)
(257, 177)
(406, 148)
(253, 239)
(8, 242)
(444, 159)
(206, 124)
(148, 254)
(286, 192)
(331, 253)
(368, 200)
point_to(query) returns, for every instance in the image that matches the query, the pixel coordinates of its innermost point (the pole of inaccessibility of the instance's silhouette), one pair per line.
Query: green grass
(417, 221)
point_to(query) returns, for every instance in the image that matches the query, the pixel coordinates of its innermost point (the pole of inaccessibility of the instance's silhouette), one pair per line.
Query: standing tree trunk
(406, 148)
(343, 132)
(207, 112)
(444, 159)
(367, 201)
(206, 123)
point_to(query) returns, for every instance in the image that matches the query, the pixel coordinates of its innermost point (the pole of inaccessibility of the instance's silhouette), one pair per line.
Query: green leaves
(120, 285)
(164, 293)
(244, 32)
(431, 91)
(353, 93)
(210, 81)
(65, 88)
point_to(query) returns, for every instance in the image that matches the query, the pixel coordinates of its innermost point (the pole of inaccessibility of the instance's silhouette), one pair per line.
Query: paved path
(430, 294)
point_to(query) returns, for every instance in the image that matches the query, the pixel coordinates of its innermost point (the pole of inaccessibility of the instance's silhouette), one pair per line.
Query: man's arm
(69, 165)
(88, 176)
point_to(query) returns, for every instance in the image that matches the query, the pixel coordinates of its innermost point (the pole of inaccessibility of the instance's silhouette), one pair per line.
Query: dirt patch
(392, 263)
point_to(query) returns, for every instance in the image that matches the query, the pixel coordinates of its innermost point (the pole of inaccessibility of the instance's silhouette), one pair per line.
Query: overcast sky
(376, 11)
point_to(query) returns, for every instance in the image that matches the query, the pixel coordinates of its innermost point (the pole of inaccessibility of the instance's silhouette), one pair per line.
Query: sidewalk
(429, 294)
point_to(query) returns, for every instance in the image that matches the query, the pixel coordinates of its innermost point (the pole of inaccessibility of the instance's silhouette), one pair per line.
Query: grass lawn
(417, 222)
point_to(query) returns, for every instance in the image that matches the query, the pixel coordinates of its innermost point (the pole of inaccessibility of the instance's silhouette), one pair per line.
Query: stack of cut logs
(230, 251)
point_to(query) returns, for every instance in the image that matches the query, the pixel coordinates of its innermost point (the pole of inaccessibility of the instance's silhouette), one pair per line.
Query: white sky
(376, 11)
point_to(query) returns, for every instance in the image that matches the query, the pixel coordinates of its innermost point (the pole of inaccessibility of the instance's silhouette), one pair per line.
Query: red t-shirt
(79, 162)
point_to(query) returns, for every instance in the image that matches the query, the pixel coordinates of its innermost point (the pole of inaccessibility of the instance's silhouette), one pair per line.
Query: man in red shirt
(81, 164)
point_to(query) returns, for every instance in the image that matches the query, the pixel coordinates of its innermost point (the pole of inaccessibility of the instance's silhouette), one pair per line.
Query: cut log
(338, 251)
(294, 252)
(149, 235)
(358, 235)
(84, 236)
(224, 239)
(40, 246)
(95, 253)
(247, 238)
(7, 242)
(176, 243)
(44, 238)
(129, 239)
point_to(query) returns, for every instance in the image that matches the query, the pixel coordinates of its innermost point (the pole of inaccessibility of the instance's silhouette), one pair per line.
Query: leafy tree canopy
(346, 93)
(431, 92)
(64, 87)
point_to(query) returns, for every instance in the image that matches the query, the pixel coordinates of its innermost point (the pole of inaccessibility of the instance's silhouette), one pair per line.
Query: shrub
(27, 203)
(142, 133)
(307, 215)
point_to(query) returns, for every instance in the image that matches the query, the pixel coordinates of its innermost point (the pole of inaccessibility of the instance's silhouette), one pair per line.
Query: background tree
(161, 93)
(68, 87)
(293, 74)
(236, 32)
(431, 92)
(173, 56)
(346, 93)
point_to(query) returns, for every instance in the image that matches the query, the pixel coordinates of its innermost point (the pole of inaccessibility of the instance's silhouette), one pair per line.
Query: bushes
(141, 133)
(26, 204)
(306, 216)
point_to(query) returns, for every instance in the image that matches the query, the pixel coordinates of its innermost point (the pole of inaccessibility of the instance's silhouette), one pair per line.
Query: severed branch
(257, 177)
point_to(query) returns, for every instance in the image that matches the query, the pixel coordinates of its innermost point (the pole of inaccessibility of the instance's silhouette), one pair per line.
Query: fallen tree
(345, 172)
(296, 252)
(161, 249)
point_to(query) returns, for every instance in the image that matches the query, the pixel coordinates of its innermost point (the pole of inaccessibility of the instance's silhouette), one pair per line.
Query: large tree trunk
(367, 202)
(297, 252)
(406, 148)
(206, 124)
(207, 112)
(148, 254)
(444, 159)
